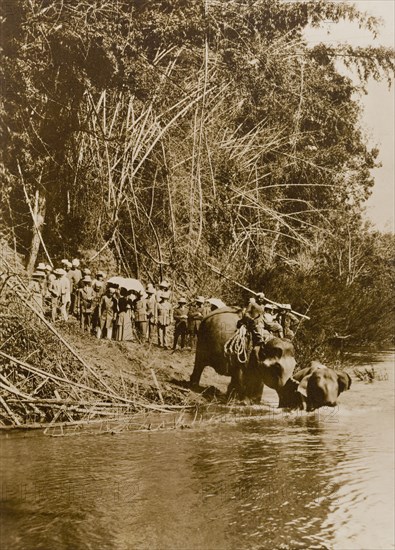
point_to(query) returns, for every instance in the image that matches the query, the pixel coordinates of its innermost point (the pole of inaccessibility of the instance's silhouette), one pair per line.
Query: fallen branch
(157, 385)
(62, 340)
(36, 370)
(10, 412)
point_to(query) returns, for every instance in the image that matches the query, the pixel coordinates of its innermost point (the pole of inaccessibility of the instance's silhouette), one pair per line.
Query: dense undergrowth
(154, 139)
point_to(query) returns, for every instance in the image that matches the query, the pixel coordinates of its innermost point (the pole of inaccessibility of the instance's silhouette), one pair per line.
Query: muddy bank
(141, 365)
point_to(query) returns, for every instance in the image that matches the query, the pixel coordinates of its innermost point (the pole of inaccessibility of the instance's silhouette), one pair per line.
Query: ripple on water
(265, 479)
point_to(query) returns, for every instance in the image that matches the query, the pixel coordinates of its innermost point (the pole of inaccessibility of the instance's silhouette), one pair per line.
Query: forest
(157, 138)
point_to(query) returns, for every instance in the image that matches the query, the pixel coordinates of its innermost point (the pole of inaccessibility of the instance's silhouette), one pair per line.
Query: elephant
(314, 387)
(270, 364)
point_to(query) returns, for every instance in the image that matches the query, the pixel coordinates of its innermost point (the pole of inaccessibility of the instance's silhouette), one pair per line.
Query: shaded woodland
(159, 137)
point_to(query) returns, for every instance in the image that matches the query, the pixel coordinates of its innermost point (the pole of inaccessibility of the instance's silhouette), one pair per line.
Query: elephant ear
(305, 375)
(302, 388)
(344, 381)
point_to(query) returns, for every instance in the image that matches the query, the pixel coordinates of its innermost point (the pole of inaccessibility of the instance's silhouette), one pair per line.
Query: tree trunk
(38, 214)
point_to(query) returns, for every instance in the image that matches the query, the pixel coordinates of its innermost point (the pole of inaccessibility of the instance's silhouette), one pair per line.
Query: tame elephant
(271, 364)
(314, 387)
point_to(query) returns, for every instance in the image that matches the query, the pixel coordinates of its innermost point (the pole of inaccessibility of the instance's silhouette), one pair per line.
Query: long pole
(218, 272)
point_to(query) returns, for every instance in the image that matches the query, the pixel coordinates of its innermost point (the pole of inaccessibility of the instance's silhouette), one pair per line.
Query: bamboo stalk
(157, 385)
(10, 412)
(41, 401)
(102, 248)
(17, 391)
(54, 419)
(12, 387)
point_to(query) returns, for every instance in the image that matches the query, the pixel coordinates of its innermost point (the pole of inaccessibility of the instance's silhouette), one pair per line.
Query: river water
(248, 479)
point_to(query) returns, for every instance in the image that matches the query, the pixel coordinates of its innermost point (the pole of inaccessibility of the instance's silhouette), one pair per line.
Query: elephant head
(320, 386)
(276, 360)
(270, 364)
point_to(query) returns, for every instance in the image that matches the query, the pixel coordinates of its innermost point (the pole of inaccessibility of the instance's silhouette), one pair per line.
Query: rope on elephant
(237, 345)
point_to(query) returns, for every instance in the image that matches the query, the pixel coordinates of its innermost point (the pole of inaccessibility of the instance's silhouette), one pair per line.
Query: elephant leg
(256, 395)
(235, 388)
(290, 397)
(232, 392)
(252, 384)
(197, 371)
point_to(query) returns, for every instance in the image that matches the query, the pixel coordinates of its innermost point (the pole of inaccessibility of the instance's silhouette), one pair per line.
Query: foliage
(183, 132)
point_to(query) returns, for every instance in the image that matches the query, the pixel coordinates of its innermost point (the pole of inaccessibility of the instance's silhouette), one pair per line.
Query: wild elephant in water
(314, 387)
(271, 364)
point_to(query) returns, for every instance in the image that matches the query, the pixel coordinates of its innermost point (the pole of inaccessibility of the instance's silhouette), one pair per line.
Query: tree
(175, 132)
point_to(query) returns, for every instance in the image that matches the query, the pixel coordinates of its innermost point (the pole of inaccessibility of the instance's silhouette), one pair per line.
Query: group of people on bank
(111, 311)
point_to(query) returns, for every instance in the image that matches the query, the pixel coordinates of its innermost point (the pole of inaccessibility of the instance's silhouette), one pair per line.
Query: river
(266, 479)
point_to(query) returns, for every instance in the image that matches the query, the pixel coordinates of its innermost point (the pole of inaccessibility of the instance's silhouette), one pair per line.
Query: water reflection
(275, 481)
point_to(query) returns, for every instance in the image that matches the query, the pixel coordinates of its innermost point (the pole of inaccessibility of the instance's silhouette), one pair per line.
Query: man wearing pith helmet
(98, 284)
(164, 286)
(86, 303)
(288, 321)
(36, 290)
(54, 292)
(195, 315)
(42, 268)
(163, 318)
(140, 314)
(107, 312)
(270, 322)
(254, 317)
(75, 276)
(65, 293)
(180, 316)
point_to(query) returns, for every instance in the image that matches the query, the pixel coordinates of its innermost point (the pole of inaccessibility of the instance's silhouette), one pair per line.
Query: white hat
(48, 267)
(87, 279)
(59, 271)
(75, 262)
(41, 267)
(86, 271)
(164, 284)
(66, 263)
(199, 299)
(260, 295)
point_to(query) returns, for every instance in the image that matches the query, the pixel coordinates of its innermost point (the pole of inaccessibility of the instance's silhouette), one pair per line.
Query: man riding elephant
(270, 322)
(288, 320)
(254, 319)
(270, 364)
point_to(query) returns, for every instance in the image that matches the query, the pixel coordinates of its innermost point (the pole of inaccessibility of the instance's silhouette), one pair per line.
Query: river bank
(143, 364)
(140, 380)
(56, 375)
